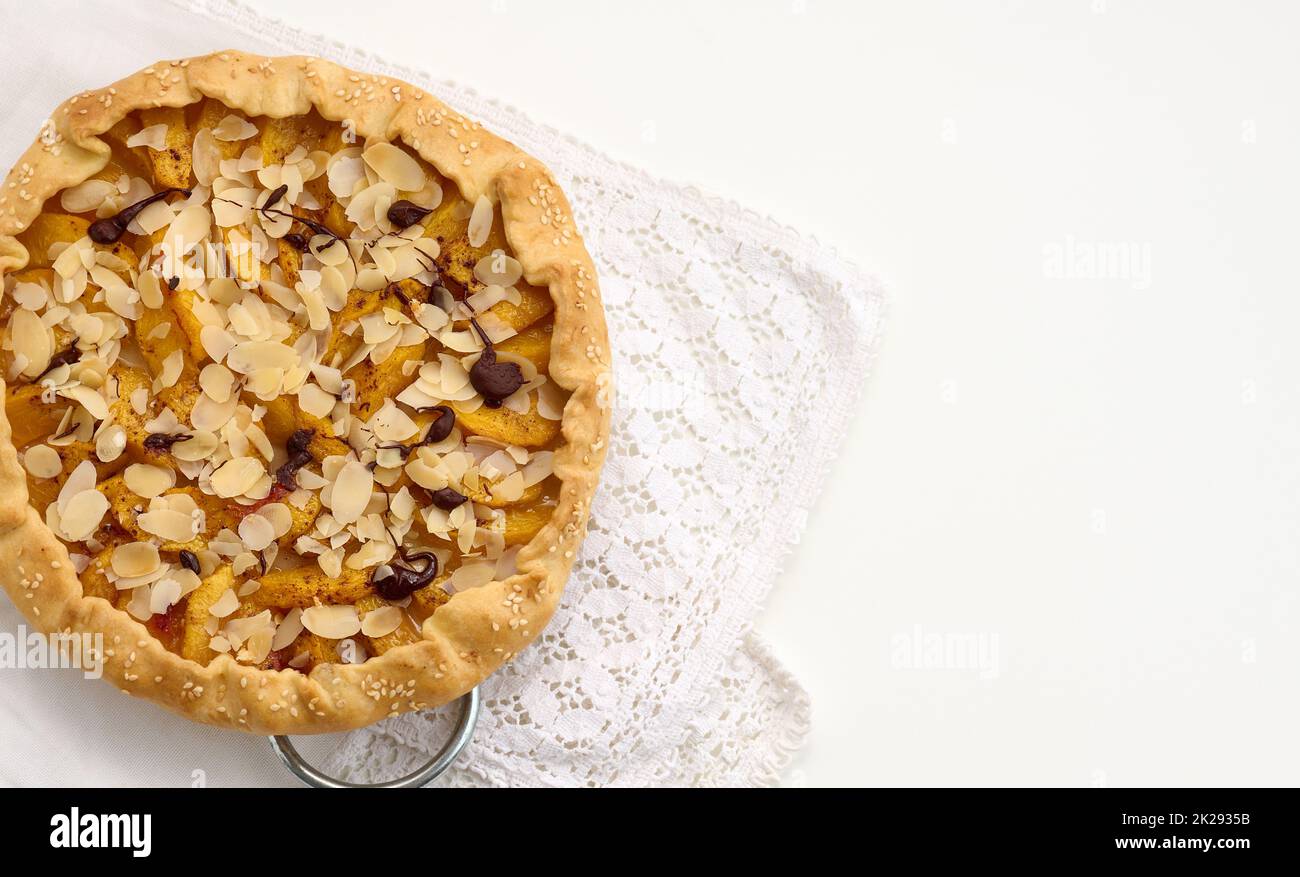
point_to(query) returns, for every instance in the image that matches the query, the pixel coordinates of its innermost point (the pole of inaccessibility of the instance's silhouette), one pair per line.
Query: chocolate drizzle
(448, 498)
(161, 442)
(312, 224)
(110, 229)
(274, 197)
(63, 357)
(405, 577)
(287, 475)
(438, 430)
(405, 214)
(495, 381)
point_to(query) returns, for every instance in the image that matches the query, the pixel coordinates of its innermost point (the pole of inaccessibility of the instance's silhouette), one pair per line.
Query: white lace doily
(739, 350)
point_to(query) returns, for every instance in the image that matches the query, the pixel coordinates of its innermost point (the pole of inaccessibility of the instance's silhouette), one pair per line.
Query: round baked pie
(306, 391)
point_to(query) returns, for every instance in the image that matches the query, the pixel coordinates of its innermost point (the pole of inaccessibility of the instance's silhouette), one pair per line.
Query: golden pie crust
(478, 629)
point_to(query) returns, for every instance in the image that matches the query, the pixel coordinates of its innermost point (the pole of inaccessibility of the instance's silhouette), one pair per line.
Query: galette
(307, 391)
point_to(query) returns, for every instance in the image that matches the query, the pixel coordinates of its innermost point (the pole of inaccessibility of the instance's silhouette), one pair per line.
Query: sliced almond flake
(86, 197)
(42, 461)
(385, 261)
(332, 622)
(256, 531)
(310, 480)
(157, 215)
(376, 329)
(346, 171)
(370, 554)
(280, 517)
(361, 210)
(149, 286)
(167, 524)
(32, 340)
(381, 621)
(205, 157)
(392, 424)
(480, 222)
(509, 489)
(148, 481)
(210, 415)
(471, 575)
(230, 210)
(190, 228)
(233, 128)
(351, 492)
(394, 165)
(539, 468)
(171, 370)
(91, 400)
(498, 269)
(265, 383)
(154, 137)
(69, 263)
(318, 316)
(288, 630)
(402, 505)
(252, 355)
(110, 443)
(331, 253)
(81, 516)
(550, 401)
(486, 298)
(217, 381)
(371, 279)
(249, 161)
(235, 477)
(138, 607)
(187, 580)
(200, 446)
(135, 559)
(139, 400)
(217, 342)
(227, 603)
(315, 401)
(331, 562)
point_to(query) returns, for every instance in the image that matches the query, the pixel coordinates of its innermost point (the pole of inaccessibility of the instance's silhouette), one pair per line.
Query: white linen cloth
(739, 349)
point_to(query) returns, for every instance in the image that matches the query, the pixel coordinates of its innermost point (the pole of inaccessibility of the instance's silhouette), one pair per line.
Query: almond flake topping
(381, 621)
(135, 559)
(42, 461)
(480, 222)
(395, 166)
(332, 622)
(351, 492)
(233, 128)
(148, 481)
(236, 477)
(82, 515)
(154, 137)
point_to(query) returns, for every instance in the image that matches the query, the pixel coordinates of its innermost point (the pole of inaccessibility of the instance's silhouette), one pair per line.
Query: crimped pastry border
(476, 630)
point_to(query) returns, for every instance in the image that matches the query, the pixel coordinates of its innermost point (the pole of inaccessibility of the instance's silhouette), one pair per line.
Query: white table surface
(1089, 473)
